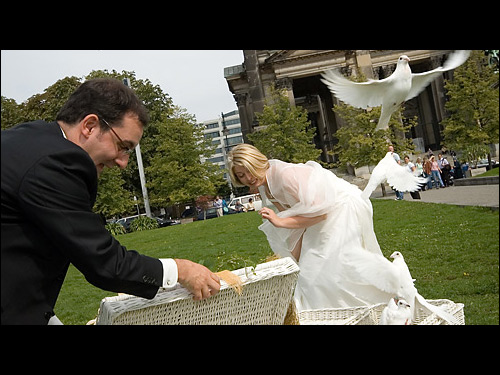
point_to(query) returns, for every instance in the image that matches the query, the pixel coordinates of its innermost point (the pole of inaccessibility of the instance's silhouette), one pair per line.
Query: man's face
(109, 150)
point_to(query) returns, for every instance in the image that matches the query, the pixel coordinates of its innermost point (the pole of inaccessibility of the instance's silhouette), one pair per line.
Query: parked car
(126, 221)
(163, 221)
(189, 212)
(212, 213)
(484, 163)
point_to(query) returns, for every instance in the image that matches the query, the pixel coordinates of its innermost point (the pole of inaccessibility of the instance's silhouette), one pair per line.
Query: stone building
(299, 72)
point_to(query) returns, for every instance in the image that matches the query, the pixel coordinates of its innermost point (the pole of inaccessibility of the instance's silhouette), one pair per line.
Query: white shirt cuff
(170, 273)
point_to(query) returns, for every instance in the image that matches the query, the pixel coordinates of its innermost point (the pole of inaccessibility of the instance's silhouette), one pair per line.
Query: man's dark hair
(108, 98)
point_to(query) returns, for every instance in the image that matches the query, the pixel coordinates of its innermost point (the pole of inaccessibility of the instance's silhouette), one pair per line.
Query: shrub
(115, 229)
(143, 223)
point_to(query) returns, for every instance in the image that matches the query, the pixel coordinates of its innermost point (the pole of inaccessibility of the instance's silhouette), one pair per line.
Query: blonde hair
(251, 158)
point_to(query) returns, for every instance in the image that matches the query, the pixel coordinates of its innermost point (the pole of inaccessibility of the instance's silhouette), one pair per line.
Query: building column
(438, 92)
(364, 62)
(255, 89)
(287, 84)
(245, 117)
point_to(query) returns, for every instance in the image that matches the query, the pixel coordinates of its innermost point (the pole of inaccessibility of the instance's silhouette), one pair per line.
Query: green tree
(285, 133)
(11, 113)
(472, 124)
(44, 106)
(171, 147)
(116, 188)
(112, 198)
(176, 173)
(360, 144)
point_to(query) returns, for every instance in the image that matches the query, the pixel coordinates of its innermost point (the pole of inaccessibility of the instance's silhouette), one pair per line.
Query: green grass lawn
(451, 251)
(491, 172)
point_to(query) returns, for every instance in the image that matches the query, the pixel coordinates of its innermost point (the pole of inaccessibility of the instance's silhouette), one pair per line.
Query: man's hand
(198, 279)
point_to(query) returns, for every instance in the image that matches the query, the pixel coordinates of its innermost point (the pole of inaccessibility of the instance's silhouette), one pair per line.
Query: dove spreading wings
(390, 92)
(397, 176)
(391, 277)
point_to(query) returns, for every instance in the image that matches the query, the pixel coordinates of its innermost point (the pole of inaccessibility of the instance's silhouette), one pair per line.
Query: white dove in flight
(390, 92)
(396, 313)
(397, 176)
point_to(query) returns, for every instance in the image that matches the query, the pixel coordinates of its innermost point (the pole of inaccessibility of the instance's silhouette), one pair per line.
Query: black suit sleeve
(57, 194)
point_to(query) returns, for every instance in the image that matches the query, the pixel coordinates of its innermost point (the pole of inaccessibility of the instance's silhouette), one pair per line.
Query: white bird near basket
(397, 176)
(408, 291)
(396, 313)
(394, 278)
(390, 92)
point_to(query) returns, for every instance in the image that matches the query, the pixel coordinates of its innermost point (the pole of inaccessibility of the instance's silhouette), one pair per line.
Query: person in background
(250, 206)
(218, 206)
(419, 164)
(445, 167)
(465, 168)
(436, 172)
(457, 168)
(238, 206)
(428, 172)
(413, 170)
(225, 208)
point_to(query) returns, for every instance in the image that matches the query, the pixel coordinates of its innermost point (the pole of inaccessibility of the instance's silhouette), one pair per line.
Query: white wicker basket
(265, 298)
(370, 315)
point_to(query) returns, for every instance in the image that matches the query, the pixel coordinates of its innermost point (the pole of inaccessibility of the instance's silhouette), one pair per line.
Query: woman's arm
(294, 222)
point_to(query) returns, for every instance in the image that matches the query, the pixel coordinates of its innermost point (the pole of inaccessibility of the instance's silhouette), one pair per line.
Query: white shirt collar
(63, 133)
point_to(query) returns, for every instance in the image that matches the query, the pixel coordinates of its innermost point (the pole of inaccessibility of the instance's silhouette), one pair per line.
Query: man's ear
(89, 125)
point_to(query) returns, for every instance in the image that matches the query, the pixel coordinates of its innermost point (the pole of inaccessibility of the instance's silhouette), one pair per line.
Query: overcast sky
(194, 79)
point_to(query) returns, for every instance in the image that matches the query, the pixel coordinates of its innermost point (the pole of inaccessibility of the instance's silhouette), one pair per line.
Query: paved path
(478, 195)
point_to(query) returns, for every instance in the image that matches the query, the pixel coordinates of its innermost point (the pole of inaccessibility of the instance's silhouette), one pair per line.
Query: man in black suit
(49, 185)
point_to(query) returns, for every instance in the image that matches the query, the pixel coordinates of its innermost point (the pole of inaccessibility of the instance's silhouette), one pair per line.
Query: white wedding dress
(333, 249)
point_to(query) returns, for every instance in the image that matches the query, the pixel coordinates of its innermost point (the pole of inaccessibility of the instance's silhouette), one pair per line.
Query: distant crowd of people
(439, 171)
(222, 207)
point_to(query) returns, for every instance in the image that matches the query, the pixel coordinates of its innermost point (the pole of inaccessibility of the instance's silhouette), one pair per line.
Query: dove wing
(379, 174)
(365, 267)
(358, 94)
(420, 80)
(396, 176)
(402, 180)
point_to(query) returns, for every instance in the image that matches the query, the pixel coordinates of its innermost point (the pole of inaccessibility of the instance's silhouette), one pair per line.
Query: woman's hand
(270, 215)
(294, 222)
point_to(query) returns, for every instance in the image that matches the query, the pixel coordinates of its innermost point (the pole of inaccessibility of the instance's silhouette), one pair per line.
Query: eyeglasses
(122, 147)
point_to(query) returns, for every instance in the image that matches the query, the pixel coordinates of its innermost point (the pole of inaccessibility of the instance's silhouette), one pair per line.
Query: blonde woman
(322, 222)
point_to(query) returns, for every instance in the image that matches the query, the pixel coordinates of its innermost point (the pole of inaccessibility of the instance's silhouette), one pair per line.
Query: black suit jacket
(49, 186)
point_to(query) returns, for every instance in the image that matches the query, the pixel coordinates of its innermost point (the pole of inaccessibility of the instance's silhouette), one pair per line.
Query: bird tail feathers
(383, 121)
(449, 318)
